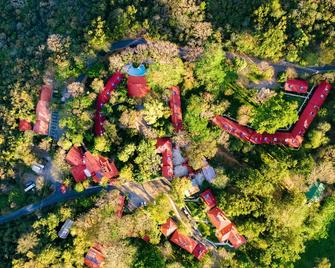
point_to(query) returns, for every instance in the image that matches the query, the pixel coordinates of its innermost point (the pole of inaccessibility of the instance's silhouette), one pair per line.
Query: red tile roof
(175, 106)
(296, 85)
(94, 257)
(164, 146)
(108, 168)
(24, 125)
(46, 93)
(200, 251)
(230, 234)
(311, 109)
(294, 138)
(42, 111)
(78, 173)
(169, 227)
(41, 127)
(97, 166)
(75, 156)
(226, 230)
(209, 198)
(91, 162)
(183, 241)
(137, 86)
(103, 98)
(218, 218)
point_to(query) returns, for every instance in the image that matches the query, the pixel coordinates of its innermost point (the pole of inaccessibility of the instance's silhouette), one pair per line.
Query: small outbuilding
(169, 227)
(296, 85)
(208, 198)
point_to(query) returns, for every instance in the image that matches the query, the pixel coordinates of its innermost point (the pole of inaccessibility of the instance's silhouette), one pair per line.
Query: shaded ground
(319, 249)
(228, 158)
(141, 194)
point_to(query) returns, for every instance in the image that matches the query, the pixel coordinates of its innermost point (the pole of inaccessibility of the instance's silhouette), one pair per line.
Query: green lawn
(319, 249)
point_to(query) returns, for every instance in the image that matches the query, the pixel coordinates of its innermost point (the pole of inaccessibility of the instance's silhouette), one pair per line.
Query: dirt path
(228, 158)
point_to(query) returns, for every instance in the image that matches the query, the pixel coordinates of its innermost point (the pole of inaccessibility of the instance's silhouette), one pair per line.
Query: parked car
(30, 186)
(38, 168)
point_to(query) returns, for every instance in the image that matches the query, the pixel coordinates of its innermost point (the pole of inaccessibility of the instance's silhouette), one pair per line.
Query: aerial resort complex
(167, 134)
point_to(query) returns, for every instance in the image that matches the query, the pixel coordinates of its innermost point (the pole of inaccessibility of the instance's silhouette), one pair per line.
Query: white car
(37, 168)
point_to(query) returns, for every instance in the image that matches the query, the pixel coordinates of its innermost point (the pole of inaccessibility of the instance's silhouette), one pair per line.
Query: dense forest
(223, 56)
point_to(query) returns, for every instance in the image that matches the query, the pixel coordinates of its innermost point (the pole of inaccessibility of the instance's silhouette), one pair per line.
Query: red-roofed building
(183, 241)
(94, 257)
(175, 106)
(137, 86)
(108, 168)
(24, 125)
(208, 198)
(296, 85)
(87, 165)
(75, 156)
(218, 218)
(92, 163)
(41, 127)
(295, 137)
(169, 227)
(226, 230)
(42, 111)
(234, 128)
(103, 98)
(200, 251)
(311, 109)
(164, 146)
(230, 235)
(46, 93)
(79, 173)
(120, 206)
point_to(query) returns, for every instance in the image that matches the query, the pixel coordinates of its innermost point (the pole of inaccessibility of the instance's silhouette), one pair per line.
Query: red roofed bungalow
(24, 125)
(120, 206)
(78, 173)
(209, 198)
(183, 241)
(103, 98)
(311, 109)
(91, 163)
(75, 156)
(41, 127)
(296, 85)
(87, 165)
(169, 227)
(218, 218)
(94, 257)
(233, 128)
(200, 251)
(226, 231)
(175, 106)
(137, 86)
(230, 235)
(46, 93)
(164, 146)
(108, 168)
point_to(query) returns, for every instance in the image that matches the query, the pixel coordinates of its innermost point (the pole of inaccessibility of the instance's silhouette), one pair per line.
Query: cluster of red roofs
(169, 228)
(226, 230)
(42, 113)
(85, 165)
(294, 138)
